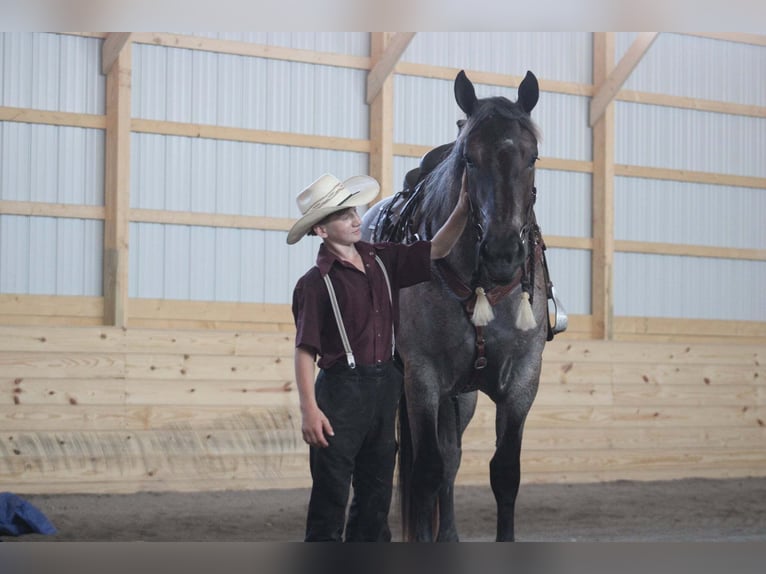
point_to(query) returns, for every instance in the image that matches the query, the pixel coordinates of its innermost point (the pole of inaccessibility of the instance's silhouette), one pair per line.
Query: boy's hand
(314, 427)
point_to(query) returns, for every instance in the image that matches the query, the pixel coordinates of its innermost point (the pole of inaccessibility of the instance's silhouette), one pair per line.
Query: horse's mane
(443, 180)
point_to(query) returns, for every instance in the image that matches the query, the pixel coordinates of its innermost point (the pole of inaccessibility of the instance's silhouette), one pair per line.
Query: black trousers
(361, 404)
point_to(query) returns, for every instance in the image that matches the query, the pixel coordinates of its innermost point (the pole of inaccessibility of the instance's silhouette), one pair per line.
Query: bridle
(398, 221)
(468, 293)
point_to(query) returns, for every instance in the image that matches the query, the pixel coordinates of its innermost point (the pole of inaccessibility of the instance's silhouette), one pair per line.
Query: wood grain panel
(103, 409)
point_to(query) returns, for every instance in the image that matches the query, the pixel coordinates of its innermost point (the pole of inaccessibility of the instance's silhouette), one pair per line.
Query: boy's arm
(314, 423)
(445, 239)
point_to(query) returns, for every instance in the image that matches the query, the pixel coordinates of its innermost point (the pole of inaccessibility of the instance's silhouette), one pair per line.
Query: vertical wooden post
(117, 189)
(602, 260)
(382, 122)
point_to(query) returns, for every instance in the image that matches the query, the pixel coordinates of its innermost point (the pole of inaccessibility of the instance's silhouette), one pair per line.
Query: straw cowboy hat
(327, 195)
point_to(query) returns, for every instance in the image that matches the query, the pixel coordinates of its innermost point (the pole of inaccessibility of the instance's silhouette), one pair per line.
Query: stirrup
(562, 321)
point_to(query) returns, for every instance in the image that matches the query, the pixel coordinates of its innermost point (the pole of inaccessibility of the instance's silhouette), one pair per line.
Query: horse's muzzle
(501, 259)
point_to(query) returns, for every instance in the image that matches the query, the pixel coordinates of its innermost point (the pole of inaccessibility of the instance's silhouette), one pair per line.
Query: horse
(482, 321)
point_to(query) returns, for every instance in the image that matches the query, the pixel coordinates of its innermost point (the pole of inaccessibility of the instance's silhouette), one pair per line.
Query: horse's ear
(465, 95)
(529, 92)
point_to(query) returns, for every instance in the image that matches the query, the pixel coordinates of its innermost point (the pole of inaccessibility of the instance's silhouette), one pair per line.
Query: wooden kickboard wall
(107, 410)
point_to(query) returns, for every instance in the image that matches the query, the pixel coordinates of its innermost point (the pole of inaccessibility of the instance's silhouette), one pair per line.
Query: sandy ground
(692, 510)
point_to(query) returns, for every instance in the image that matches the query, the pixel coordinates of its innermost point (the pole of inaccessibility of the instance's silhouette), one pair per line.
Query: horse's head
(497, 144)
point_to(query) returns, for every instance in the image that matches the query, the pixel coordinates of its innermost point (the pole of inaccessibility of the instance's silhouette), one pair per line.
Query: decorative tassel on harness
(525, 319)
(482, 311)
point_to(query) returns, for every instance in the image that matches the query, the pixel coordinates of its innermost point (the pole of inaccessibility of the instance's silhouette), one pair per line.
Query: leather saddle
(396, 219)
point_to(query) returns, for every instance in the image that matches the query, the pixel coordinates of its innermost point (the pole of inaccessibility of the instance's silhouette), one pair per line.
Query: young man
(348, 415)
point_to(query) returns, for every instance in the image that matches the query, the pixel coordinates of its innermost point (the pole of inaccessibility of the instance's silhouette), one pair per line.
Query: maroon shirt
(362, 298)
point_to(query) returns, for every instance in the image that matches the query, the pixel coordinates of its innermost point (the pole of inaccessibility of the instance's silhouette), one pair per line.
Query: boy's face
(343, 227)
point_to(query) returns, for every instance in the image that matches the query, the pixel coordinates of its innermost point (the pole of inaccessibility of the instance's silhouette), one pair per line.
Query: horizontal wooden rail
(213, 316)
(233, 221)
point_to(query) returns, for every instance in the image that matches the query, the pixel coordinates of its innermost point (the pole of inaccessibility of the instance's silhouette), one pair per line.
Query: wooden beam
(41, 209)
(608, 88)
(737, 37)
(690, 176)
(602, 259)
(381, 164)
(658, 248)
(697, 104)
(385, 62)
(267, 51)
(110, 51)
(117, 190)
(225, 220)
(47, 117)
(248, 135)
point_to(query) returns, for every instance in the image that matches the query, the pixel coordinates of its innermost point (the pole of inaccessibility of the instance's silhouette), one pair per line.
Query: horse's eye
(467, 161)
(533, 160)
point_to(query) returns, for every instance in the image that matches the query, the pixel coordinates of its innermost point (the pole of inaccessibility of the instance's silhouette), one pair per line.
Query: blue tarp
(18, 516)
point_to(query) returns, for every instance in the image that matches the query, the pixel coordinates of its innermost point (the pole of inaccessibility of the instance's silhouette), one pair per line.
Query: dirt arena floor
(692, 510)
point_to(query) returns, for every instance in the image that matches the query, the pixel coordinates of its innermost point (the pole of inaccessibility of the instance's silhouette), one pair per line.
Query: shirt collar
(326, 258)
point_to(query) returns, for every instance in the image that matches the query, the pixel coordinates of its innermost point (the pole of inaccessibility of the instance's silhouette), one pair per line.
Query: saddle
(397, 221)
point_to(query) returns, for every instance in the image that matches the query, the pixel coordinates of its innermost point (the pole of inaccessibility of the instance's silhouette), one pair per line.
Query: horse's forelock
(504, 108)
(443, 177)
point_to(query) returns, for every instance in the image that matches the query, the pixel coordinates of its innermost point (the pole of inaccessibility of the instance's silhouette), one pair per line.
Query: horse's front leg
(454, 415)
(505, 469)
(427, 465)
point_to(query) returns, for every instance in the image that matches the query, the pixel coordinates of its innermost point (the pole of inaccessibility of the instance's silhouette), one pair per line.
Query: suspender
(339, 318)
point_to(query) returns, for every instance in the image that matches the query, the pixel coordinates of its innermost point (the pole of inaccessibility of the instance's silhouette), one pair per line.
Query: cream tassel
(525, 319)
(482, 310)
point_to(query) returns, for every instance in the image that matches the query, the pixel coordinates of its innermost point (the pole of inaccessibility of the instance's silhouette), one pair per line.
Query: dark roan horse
(482, 321)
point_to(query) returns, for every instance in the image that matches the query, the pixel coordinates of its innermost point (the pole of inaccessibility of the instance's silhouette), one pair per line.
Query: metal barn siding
(562, 56)
(570, 271)
(700, 68)
(664, 137)
(210, 176)
(564, 208)
(50, 256)
(51, 164)
(425, 111)
(685, 213)
(722, 216)
(426, 114)
(210, 264)
(247, 92)
(51, 72)
(688, 287)
(225, 177)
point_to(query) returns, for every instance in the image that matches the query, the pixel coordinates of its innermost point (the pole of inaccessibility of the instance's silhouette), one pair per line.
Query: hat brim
(362, 190)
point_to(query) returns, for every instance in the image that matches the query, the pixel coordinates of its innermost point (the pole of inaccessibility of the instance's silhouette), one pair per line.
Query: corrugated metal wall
(685, 213)
(45, 255)
(65, 165)
(209, 176)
